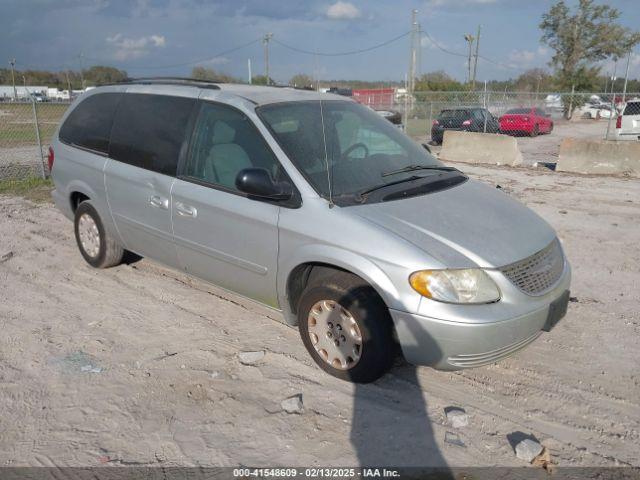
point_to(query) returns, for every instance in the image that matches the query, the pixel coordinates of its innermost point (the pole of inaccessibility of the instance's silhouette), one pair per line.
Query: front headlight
(455, 286)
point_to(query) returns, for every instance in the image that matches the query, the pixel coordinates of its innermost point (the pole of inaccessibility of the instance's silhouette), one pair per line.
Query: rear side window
(632, 108)
(518, 111)
(446, 114)
(149, 131)
(89, 124)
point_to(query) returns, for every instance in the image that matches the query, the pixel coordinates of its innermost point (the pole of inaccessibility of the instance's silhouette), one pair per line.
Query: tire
(99, 249)
(535, 131)
(340, 298)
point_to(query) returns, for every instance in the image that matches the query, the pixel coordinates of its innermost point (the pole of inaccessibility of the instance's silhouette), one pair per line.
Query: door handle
(159, 202)
(186, 210)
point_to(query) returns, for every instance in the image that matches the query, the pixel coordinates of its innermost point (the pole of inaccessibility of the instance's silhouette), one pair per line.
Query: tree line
(581, 38)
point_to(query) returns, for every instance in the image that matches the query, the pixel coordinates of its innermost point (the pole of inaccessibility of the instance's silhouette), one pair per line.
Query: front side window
(224, 142)
(149, 131)
(344, 148)
(89, 124)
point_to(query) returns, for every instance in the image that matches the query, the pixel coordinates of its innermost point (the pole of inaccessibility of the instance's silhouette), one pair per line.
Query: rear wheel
(99, 249)
(346, 327)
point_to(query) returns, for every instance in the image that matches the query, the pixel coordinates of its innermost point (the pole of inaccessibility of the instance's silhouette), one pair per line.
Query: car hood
(468, 225)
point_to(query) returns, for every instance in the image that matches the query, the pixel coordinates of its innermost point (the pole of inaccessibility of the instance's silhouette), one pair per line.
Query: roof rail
(191, 82)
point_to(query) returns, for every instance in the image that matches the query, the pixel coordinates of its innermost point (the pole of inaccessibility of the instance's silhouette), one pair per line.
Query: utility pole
(614, 77)
(66, 73)
(475, 63)
(613, 99)
(267, 38)
(413, 53)
(469, 38)
(419, 52)
(249, 68)
(13, 78)
(626, 78)
(81, 71)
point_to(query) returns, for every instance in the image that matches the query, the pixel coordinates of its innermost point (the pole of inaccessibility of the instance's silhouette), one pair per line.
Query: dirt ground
(138, 365)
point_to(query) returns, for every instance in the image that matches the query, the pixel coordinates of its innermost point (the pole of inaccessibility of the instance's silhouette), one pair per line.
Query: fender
(98, 199)
(347, 260)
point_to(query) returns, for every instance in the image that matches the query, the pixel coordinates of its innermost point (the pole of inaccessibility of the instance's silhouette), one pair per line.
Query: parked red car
(529, 121)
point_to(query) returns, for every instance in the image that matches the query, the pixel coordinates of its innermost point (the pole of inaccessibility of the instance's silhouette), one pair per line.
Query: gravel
(292, 404)
(528, 449)
(251, 358)
(457, 417)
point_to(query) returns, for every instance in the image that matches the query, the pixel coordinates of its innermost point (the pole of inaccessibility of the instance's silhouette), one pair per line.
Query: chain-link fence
(26, 128)
(598, 111)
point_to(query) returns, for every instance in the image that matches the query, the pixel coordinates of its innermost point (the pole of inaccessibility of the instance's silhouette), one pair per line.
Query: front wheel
(346, 328)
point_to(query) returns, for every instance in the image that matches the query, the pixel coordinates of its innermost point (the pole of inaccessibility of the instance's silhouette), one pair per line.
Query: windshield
(350, 152)
(518, 111)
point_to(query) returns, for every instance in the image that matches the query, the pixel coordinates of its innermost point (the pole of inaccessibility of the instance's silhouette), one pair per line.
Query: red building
(375, 97)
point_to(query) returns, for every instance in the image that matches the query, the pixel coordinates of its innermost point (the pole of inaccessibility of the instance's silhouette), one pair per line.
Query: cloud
(523, 58)
(458, 3)
(343, 11)
(128, 48)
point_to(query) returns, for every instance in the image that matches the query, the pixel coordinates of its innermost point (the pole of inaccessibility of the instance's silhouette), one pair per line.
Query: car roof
(462, 108)
(262, 95)
(256, 94)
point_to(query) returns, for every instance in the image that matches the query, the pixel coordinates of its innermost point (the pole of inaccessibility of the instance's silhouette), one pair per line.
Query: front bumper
(453, 345)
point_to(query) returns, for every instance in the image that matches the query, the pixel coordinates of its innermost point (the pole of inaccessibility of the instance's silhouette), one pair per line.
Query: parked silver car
(317, 207)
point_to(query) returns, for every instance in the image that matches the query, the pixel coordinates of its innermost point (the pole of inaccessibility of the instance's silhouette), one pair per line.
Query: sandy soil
(138, 365)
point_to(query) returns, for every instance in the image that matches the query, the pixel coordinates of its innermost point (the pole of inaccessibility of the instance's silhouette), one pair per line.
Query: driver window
(225, 142)
(359, 140)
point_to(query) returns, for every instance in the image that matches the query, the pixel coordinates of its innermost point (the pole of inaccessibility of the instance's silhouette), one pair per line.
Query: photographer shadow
(391, 425)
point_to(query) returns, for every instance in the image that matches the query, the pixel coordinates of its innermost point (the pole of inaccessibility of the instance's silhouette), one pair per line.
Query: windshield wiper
(412, 168)
(361, 196)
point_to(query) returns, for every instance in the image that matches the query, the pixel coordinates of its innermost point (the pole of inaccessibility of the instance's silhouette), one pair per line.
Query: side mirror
(426, 147)
(256, 182)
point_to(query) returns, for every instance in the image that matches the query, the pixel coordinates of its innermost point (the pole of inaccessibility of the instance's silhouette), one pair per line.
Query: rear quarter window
(149, 131)
(632, 108)
(89, 124)
(446, 114)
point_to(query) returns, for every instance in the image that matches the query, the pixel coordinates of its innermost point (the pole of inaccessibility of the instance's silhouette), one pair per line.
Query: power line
(457, 54)
(442, 48)
(341, 54)
(499, 64)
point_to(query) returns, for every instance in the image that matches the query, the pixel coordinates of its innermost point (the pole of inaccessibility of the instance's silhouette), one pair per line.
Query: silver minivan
(317, 207)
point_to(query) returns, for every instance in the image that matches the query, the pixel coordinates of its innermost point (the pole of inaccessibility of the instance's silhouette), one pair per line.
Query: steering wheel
(355, 146)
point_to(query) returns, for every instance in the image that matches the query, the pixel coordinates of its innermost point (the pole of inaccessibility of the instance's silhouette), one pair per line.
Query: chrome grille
(537, 274)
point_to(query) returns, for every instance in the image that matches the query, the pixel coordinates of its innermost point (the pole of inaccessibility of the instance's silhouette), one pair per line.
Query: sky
(169, 37)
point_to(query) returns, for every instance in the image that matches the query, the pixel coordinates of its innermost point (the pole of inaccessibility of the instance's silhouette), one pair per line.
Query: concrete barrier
(472, 147)
(599, 157)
